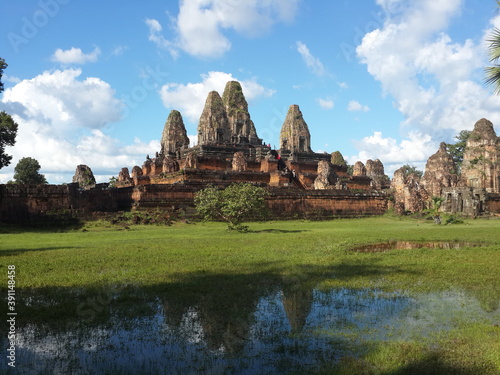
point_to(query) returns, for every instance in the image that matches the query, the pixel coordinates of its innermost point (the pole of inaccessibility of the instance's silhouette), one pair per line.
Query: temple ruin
(299, 181)
(229, 149)
(473, 191)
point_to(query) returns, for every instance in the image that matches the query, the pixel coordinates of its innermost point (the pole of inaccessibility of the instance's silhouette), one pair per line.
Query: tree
(493, 72)
(3, 65)
(436, 205)
(8, 128)
(8, 132)
(410, 169)
(234, 204)
(26, 172)
(456, 150)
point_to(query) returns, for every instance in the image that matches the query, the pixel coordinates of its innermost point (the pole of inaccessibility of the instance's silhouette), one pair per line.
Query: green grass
(189, 262)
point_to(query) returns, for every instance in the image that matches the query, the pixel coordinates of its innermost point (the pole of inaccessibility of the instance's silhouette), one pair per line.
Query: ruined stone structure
(359, 169)
(174, 137)
(440, 172)
(481, 165)
(213, 127)
(327, 178)
(409, 194)
(375, 170)
(84, 177)
(295, 136)
(240, 124)
(299, 181)
(229, 149)
(474, 192)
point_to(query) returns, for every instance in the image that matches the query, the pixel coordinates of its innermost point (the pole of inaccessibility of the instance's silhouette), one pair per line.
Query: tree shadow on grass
(279, 231)
(12, 252)
(436, 363)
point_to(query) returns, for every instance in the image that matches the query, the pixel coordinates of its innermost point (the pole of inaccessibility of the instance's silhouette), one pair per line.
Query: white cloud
(343, 85)
(200, 24)
(355, 106)
(193, 140)
(435, 81)
(75, 56)
(312, 62)
(415, 150)
(190, 98)
(326, 103)
(66, 101)
(62, 123)
(119, 50)
(156, 36)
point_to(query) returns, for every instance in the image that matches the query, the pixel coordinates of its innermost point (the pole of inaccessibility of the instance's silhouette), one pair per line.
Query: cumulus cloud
(62, 123)
(355, 106)
(75, 56)
(190, 98)
(326, 103)
(66, 101)
(433, 79)
(436, 82)
(414, 151)
(312, 62)
(200, 24)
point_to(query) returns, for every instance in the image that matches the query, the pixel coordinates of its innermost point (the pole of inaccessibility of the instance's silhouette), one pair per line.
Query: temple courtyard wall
(28, 203)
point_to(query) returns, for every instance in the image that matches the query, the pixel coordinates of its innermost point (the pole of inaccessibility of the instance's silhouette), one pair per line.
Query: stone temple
(472, 191)
(230, 150)
(300, 182)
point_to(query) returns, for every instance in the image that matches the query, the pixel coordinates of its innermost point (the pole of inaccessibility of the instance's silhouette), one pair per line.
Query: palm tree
(436, 205)
(493, 72)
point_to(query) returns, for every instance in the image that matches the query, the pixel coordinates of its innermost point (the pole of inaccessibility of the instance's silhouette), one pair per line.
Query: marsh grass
(110, 265)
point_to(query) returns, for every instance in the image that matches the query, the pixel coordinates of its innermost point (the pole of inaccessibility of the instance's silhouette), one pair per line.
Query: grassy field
(188, 261)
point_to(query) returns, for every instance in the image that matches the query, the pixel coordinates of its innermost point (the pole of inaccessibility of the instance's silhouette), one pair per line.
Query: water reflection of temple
(226, 324)
(297, 303)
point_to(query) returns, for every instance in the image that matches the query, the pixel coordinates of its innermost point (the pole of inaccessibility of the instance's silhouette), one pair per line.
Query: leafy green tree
(8, 132)
(3, 65)
(493, 72)
(456, 150)
(26, 172)
(8, 128)
(410, 169)
(237, 202)
(436, 205)
(112, 181)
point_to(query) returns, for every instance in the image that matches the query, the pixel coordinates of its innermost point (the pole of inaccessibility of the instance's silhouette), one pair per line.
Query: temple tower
(174, 137)
(295, 135)
(242, 127)
(213, 127)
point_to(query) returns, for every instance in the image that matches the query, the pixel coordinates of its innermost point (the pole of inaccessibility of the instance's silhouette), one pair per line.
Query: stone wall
(325, 203)
(25, 203)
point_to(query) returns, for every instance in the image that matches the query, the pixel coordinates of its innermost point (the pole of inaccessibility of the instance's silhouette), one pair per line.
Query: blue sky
(93, 82)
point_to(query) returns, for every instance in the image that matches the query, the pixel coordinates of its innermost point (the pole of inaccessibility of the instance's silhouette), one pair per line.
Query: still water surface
(283, 330)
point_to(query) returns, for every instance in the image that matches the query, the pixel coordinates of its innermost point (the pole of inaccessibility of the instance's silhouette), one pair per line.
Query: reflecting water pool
(407, 245)
(285, 329)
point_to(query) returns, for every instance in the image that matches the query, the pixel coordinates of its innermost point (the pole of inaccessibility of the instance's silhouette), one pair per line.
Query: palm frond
(493, 77)
(494, 47)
